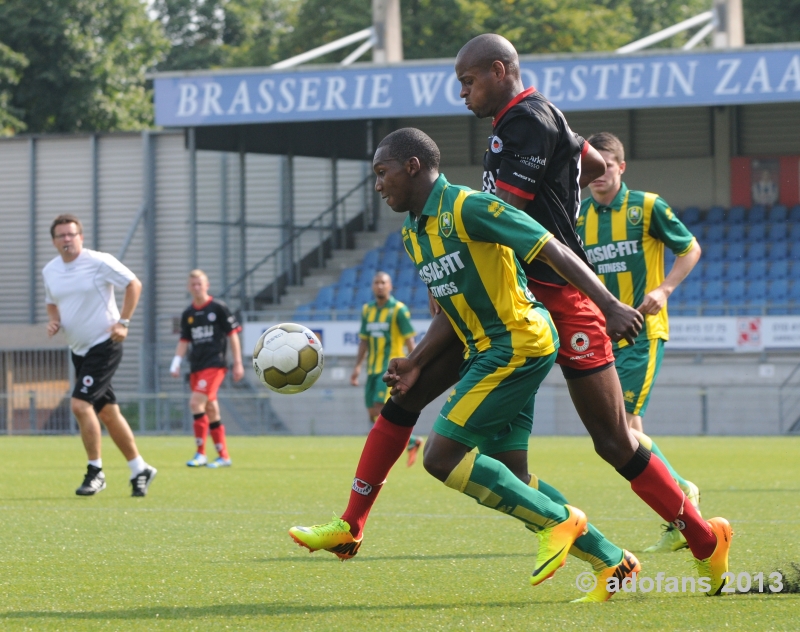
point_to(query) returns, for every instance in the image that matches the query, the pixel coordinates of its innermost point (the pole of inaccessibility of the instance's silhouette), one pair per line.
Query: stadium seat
(734, 252)
(777, 214)
(756, 271)
(757, 215)
(756, 251)
(302, 312)
(794, 291)
(363, 295)
(388, 260)
(794, 214)
(734, 292)
(756, 292)
(370, 259)
(712, 270)
(714, 252)
(712, 291)
(325, 296)
(778, 269)
(735, 233)
(394, 241)
(688, 293)
(778, 250)
(734, 271)
(794, 252)
(403, 294)
(757, 232)
(778, 232)
(406, 276)
(348, 277)
(736, 215)
(715, 233)
(690, 215)
(778, 291)
(344, 296)
(715, 215)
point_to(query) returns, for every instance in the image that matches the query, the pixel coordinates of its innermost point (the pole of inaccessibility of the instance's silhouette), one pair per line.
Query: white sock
(97, 463)
(136, 465)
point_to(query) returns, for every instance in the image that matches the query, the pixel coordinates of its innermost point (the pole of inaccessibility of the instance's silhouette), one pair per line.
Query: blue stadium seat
(778, 290)
(778, 232)
(714, 252)
(736, 215)
(712, 270)
(403, 294)
(688, 292)
(734, 252)
(712, 291)
(777, 214)
(735, 233)
(690, 215)
(778, 250)
(715, 232)
(757, 232)
(302, 312)
(363, 295)
(394, 241)
(715, 215)
(794, 214)
(756, 292)
(388, 260)
(734, 292)
(406, 276)
(757, 215)
(344, 296)
(756, 251)
(794, 253)
(325, 296)
(348, 277)
(794, 291)
(778, 269)
(756, 271)
(793, 231)
(734, 271)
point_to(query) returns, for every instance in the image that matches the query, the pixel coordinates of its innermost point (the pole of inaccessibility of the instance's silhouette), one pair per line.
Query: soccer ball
(288, 358)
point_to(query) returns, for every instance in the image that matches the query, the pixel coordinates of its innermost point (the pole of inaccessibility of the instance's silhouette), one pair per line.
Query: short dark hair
(66, 218)
(606, 141)
(409, 142)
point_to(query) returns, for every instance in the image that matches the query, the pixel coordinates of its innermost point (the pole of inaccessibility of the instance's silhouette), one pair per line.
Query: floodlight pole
(388, 32)
(729, 27)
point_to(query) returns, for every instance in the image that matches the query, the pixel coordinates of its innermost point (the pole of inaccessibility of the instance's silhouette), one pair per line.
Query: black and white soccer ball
(288, 358)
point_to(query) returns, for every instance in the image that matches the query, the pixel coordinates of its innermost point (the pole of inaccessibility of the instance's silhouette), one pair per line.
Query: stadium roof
(326, 110)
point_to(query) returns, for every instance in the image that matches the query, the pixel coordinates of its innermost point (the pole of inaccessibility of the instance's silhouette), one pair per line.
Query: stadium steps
(320, 277)
(249, 415)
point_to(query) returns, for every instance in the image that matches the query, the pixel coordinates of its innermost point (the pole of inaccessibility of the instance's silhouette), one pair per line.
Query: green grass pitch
(208, 549)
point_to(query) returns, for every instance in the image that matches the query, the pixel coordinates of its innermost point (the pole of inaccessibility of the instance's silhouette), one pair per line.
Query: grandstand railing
(326, 228)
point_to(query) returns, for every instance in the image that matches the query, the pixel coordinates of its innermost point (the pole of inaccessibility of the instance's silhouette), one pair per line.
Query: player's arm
(410, 344)
(655, 300)
(363, 347)
(180, 352)
(132, 293)
(592, 165)
(236, 352)
(622, 321)
(53, 319)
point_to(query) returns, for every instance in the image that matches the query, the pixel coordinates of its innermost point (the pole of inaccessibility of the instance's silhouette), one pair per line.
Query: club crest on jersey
(190, 319)
(579, 342)
(446, 223)
(88, 380)
(211, 317)
(496, 145)
(634, 214)
(361, 487)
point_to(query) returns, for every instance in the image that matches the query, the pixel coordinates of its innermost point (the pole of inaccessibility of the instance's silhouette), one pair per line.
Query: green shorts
(637, 367)
(491, 406)
(376, 390)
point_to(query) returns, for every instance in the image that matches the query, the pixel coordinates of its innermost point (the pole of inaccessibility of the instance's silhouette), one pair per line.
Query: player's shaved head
(482, 51)
(409, 142)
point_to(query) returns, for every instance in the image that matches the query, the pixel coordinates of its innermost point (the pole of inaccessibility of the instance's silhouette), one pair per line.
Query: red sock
(657, 488)
(218, 435)
(200, 432)
(385, 444)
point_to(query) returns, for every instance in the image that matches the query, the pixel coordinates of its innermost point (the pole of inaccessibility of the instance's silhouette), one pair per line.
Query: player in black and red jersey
(208, 325)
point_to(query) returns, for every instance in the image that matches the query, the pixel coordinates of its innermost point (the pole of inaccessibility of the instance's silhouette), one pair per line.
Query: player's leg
(217, 430)
(378, 392)
(197, 405)
(94, 480)
(142, 474)
(385, 443)
(492, 394)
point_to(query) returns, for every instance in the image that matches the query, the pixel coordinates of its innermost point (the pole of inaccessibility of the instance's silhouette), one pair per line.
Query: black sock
(637, 464)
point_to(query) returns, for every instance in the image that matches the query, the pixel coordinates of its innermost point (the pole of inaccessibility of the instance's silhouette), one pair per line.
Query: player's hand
(623, 322)
(653, 302)
(177, 373)
(354, 376)
(118, 332)
(52, 328)
(401, 375)
(433, 306)
(238, 371)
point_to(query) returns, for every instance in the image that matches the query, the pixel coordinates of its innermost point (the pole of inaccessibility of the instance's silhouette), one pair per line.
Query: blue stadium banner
(432, 89)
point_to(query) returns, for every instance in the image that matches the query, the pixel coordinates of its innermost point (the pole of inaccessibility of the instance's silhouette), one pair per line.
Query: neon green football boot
(554, 544)
(333, 536)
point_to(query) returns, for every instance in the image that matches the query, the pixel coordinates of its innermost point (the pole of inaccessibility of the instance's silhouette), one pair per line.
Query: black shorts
(93, 373)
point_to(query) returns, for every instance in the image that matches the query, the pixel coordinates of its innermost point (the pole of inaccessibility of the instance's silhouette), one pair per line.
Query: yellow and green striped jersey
(625, 242)
(465, 246)
(386, 329)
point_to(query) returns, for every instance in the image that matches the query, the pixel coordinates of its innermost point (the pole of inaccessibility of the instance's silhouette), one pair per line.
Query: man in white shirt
(79, 292)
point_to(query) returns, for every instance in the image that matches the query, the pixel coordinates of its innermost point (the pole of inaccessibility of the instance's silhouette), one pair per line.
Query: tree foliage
(87, 62)
(771, 21)
(11, 66)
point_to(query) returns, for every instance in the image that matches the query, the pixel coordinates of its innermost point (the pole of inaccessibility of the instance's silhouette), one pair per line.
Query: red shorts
(207, 381)
(581, 326)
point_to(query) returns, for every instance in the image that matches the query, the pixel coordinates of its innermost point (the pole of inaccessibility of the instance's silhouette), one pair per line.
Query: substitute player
(208, 325)
(79, 292)
(385, 329)
(624, 233)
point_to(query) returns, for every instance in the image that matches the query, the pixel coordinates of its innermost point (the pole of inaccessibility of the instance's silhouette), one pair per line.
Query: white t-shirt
(83, 291)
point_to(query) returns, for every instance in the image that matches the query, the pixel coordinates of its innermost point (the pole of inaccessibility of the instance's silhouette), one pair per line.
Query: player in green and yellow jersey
(624, 233)
(385, 329)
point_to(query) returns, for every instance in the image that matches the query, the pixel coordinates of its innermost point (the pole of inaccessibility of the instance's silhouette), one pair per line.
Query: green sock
(493, 485)
(644, 439)
(412, 440)
(592, 547)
